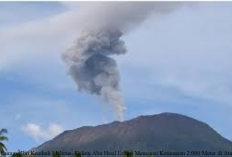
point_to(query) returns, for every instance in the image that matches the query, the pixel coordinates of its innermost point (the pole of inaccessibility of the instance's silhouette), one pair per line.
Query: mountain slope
(162, 132)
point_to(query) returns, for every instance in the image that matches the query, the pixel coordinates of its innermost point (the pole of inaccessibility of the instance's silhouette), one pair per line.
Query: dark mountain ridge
(163, 132)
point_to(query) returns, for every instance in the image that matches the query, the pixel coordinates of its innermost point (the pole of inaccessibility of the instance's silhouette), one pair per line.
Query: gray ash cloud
(90, 59)
(93, 69)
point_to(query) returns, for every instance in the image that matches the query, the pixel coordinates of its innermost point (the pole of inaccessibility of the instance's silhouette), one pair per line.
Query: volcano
(166, 132)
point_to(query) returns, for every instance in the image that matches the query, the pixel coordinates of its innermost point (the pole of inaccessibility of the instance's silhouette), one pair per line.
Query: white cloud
(41, 134)
(38, 39)
(189, 51)
(48, 37)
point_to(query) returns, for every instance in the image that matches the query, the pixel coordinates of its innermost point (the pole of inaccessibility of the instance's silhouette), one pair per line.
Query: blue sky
(180, 62)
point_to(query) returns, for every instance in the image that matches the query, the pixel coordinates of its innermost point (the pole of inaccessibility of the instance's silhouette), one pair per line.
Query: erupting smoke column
(89, 61)
(93, 70)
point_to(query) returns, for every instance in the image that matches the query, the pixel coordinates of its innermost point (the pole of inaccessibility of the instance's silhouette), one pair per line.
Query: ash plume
(90, 59)
(93, 70)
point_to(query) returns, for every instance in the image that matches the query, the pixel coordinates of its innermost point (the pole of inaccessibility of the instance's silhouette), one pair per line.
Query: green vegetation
(2, 139)
(56, 154)
(19, 154)
(77, 154)
(128, 153)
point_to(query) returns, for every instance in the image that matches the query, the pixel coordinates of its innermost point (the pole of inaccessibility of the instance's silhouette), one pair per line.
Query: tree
(56, 154)
(127, 153)
(78, 154)
(3, 138)
(19, 154)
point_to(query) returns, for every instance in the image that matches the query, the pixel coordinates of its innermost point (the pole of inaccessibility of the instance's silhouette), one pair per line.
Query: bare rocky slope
(163, 132)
